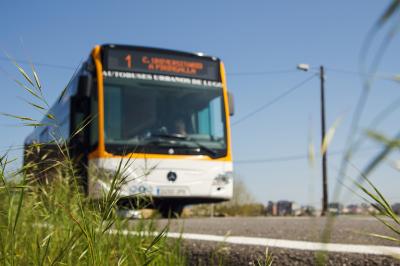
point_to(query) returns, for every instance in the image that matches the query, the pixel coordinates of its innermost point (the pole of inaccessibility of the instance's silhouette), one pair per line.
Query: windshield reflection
(154, 116)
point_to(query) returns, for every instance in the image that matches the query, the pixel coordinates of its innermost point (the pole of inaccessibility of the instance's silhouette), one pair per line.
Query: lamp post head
(303, 67)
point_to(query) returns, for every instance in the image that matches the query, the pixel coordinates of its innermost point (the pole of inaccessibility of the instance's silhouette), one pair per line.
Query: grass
(388, 20)
(53, 223)
(267, 260)
(371, 194)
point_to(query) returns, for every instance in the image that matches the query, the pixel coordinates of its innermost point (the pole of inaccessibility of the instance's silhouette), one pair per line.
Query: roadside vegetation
(387, 25)
(53, 223)
(241, 204)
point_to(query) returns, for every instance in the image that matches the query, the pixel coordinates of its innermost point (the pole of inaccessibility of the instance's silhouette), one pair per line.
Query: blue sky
(250, 37)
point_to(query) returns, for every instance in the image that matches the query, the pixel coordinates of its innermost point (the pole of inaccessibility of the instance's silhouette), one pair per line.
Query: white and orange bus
(167, 111)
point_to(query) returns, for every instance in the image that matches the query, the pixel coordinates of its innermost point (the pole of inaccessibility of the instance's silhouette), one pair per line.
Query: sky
(261, 43)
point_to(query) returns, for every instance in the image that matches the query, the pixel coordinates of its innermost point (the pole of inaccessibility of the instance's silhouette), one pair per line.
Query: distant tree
(241, 194)
(241, 204)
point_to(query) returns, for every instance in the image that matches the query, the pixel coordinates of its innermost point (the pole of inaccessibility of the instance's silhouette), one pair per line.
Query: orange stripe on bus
(227, 117)
(100, 152)
(157, 156)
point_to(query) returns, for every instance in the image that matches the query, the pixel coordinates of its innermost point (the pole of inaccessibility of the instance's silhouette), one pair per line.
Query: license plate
(172, 191)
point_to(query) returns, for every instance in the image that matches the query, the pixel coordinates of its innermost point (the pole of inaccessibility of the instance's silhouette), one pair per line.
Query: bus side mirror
(85, 85)
(231, 104)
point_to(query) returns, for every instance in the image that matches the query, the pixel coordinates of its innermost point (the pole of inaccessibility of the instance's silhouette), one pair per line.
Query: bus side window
(77, 118)
(80, 113)
(94, 123)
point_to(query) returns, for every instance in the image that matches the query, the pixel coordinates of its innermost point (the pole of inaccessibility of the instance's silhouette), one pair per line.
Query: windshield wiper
(212, 153)
(169, 136)
(154, 139)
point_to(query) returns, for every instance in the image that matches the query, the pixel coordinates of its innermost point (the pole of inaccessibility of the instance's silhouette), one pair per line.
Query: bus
(166, 111)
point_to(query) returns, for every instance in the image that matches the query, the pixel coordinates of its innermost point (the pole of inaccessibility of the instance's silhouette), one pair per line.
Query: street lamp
(306, 67)
(303, 67)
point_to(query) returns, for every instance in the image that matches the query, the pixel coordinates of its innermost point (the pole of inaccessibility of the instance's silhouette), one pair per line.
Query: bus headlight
(109, 175)
(223, 179)
(105, 174)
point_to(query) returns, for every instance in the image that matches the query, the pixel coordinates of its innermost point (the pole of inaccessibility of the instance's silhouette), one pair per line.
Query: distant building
(307, 210)
(368, 209)
(335, 208)
(296, 209)
(285, 207)
(271, 208)
(352, 209)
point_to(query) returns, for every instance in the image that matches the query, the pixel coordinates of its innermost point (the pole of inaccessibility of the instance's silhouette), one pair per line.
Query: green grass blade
(379, 157)
(388, 225)
(24, 74)
(38, 255)
(82, 126)
(35, 75)
(389, 12)
(393, 143)
(35, 124)
(329, 135)
(157, 239)
(23, 118)
(382, 201)
(385, 237)
(371, 195)
(21, 198)
(62, 93)
(50, 116)
(46, 250)
(28, 90)
(36, 106)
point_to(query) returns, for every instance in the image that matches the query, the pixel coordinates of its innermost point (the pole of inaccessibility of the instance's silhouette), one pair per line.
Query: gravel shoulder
(206, 253)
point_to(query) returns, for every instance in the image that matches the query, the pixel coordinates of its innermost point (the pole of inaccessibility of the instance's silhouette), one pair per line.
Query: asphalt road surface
(345, 230)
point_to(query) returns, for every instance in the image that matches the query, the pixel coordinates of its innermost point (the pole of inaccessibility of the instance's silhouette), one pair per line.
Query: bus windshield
(161, 117)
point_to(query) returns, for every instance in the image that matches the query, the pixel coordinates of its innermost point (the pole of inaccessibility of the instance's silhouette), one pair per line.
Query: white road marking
(282, 243)
(277, 243)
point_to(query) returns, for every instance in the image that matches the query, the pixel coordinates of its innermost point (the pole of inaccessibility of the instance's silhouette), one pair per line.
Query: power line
(391, 77)
(273, 159)
(261, 73)
(273, 101)
(287, 158)
(2, 58)
(281, 158)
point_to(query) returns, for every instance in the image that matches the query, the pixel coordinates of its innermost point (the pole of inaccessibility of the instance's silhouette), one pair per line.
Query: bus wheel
(171, 211)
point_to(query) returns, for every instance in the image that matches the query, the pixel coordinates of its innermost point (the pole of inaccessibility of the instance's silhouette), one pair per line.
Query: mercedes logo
(171, 176)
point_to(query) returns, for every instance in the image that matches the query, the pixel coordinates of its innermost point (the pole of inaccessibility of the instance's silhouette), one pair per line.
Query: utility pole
(306, 67)
(324, 159)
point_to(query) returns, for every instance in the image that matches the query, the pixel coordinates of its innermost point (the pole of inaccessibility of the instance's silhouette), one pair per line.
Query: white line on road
(277, 243)
(287, 244)
(293, 244)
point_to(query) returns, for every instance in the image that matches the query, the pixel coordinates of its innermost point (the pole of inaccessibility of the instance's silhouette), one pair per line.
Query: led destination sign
(131, 60)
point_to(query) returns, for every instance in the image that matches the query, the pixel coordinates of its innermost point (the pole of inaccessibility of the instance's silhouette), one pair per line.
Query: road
(348, 230)
(345, 230)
